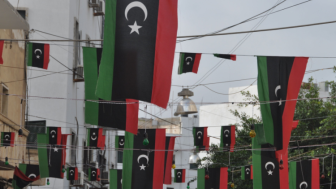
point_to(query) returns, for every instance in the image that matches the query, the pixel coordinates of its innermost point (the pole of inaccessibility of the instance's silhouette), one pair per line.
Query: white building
(75, 19)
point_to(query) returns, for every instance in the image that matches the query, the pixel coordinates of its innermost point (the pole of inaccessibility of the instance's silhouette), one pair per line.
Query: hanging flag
(201, 139)
(138, 55)
(169, 154)
(38, 55)
(54, 135)
(52, 158)
(7, 139)
(279, 79)
(95, 138)
(228, 137)
(189, 62)
(24, 175)
(179, 175)
(226, 56)
(218, 178)
(265, 165)
(119, 142)
(122, 115)
(115, 179)
(94, 174)
(1, 50)
(304, 174)
(247, 172)
(143, 167)
(72, 173)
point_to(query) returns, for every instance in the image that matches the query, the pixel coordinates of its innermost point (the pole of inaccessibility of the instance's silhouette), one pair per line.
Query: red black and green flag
(226, 56)
(52, 158)
(24, 175)
(265, 164)
(143, 167)
(72, 173)
(201, 139)
(247, 172)
(119, 142)
(122, 114)
(38, 55)
(93, 174)
(189, 62)
(7, 139)
(179, 175)
(1, 50)
(169, 153)
(95, 138)
(218, 178)
(138, 54)
(304, 174)
(54, 135)
(228, 138)
(279, 79)
(115, 179)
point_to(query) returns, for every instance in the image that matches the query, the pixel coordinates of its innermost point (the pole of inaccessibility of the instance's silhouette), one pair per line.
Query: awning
(10, 18)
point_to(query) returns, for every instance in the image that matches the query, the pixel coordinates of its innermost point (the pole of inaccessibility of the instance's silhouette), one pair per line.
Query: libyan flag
(265, 165)
(38, 55)
(95, 138)
(169, 153)
(24, 175)
(51, 157)
(1, 50)
(189, 62)
(72, 173)
(115, 179)
(218, 178)
(138, 54)
(226, 56)
(93, 174)
(304, 174)
(279, 79)
(247, 172)
(7, 139)
(228, 137)
(143, 167)
(54, 135)
(179, 175)
(119, 142)
(122, 114)
(201, 139)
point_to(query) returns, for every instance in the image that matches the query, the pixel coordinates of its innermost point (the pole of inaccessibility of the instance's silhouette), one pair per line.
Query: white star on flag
(135, 28)
(269, 172)
(55, 149)
(142, 167)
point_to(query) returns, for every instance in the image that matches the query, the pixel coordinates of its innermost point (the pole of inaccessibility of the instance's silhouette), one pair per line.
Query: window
(120, 156)
(193, 166)
(22, 13)
(4, 102)
(34, 128)
(77, 45)
(73, 149)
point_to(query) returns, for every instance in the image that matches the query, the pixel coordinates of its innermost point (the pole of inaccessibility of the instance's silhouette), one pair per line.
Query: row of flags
(218, 178)
(189, 62)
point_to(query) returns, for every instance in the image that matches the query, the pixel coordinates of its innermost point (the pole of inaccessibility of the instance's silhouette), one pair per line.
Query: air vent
(93, 3)
(78, 74)
(80, 181)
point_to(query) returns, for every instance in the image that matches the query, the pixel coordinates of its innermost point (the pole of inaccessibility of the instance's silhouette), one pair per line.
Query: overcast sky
(200, 17)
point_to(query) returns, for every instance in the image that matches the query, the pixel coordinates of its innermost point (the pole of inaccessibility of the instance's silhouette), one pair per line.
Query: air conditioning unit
(93, 3)
(104, 178)
(80, 181)
(94, 164)
(100, 10)
(78, 74)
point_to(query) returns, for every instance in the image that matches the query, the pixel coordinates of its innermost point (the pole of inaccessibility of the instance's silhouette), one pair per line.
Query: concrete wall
(12, 76)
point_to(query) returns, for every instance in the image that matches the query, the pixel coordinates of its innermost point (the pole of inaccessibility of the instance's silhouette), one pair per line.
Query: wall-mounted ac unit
(80, 181)
(93, 3)
(78, 74)
(100, 10)
(94, 164)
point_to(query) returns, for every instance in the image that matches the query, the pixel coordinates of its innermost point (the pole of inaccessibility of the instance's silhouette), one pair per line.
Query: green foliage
(317, 125)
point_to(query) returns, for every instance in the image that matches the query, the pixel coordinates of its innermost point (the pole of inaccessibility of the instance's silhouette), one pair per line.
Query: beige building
(12, 90)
